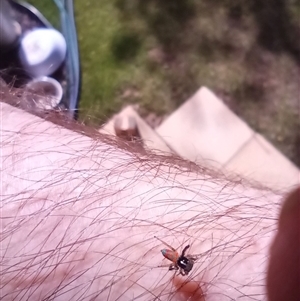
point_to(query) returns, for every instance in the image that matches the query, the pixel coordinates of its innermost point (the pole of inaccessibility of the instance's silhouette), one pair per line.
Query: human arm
(79, 216)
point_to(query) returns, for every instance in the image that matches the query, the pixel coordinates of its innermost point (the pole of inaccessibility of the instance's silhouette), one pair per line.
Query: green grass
(158, 53)
(48, 9)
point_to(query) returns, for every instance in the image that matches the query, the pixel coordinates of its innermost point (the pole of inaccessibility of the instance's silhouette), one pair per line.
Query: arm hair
(79, 213)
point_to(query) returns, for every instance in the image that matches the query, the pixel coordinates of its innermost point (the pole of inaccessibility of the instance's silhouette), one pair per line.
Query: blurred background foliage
(158, 53)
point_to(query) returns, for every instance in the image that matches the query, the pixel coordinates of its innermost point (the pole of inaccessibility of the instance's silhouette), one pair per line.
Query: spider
(183, 263)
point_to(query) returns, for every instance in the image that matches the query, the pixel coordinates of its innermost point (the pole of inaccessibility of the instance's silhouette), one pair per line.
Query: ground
(158, 53)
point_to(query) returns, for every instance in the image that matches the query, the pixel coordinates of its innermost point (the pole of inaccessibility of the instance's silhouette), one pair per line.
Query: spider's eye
(185, 264)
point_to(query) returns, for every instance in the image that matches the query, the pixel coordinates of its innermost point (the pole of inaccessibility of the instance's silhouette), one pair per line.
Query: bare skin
(79, 216)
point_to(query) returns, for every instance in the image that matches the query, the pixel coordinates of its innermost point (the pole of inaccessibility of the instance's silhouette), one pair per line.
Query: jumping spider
(183, 263)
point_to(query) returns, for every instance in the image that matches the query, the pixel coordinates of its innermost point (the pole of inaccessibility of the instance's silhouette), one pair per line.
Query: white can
(42, 51)
(44, 92)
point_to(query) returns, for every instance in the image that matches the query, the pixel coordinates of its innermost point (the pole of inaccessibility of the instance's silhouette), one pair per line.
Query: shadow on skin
(284, 267)
(190, 290)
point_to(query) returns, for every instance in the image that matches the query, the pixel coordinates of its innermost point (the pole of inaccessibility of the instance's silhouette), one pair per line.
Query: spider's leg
(173, 267)
(184, 250)
(163, 266)
(193, 257)
(165, 244)
(182, 272)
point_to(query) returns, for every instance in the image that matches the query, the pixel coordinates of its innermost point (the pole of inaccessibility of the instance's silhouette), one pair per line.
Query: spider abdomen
(171, 255)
